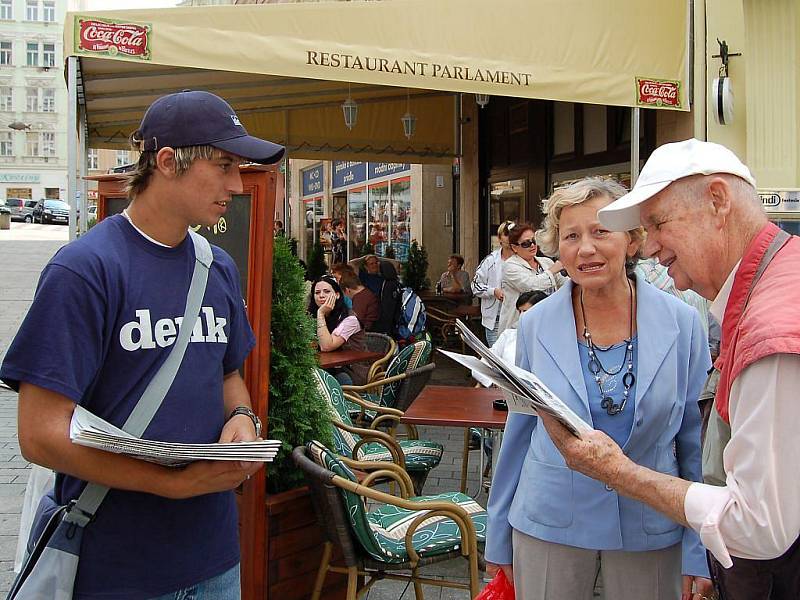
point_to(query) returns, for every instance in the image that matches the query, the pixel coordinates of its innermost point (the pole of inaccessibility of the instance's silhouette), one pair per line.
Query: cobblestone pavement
(21, 262)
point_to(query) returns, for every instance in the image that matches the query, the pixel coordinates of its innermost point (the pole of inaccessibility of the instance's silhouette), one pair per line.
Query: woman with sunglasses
(525, 272)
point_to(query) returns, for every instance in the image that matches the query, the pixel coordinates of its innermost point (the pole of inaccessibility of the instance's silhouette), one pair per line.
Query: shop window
(563, 128)
(52, 194)
(6, 144)
(93, 159)
(379, 217)
(401, 218)
(49, 11)
(506, 203)
(24, 193)
(32, 54)
(595, 134)
(357, 221)
(5, 53)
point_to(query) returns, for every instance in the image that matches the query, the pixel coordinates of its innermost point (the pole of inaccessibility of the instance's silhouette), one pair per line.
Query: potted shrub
(415, 270)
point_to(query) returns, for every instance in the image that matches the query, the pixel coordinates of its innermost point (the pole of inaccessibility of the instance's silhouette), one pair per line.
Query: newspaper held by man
(87, 429)
(524, 392)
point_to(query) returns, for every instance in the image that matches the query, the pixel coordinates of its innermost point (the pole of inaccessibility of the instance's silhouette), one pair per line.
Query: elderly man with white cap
(704, 221)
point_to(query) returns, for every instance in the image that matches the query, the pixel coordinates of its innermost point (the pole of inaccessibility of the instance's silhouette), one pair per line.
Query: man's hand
(498, 293)
(595, 455)
(209, 476)
(239, 428)
(508, 571)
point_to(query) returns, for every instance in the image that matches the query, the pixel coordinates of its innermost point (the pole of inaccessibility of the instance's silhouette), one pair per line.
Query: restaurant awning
(287, 68)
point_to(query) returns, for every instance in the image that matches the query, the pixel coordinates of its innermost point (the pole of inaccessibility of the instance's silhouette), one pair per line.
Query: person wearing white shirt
(705, 222)
(488, 281)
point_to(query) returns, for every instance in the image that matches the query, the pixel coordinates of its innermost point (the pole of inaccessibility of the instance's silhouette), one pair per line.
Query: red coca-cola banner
(658, 92)
(113, 38)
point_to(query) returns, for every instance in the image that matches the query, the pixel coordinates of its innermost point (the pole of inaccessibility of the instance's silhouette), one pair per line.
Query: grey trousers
(548, 571)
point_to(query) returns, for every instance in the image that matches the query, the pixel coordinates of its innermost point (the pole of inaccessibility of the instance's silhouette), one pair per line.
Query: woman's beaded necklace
(595, 366)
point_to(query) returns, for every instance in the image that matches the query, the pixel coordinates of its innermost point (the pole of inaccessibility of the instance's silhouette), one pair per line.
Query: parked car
(51, 211)
(16, 206)
(92, 212)
(27, 210)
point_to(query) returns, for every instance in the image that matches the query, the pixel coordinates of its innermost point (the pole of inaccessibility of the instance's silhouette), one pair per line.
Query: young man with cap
(106, 313)
(705, 222)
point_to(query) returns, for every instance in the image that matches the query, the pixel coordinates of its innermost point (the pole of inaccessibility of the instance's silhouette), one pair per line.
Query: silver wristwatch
(246, 410)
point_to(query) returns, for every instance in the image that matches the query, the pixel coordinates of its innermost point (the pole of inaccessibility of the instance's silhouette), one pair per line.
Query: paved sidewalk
(22, 262)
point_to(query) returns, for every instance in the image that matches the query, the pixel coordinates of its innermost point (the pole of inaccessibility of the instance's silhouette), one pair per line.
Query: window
(122, 158)
(48, 143)
(32, 10)
(32, 54)
(94, 159)
(49, 55)
(5, 53)
(32, 100)
(49, 11)
(48, 100)
(6, 98)
(6, 10)
(31, 144)
(6, 144)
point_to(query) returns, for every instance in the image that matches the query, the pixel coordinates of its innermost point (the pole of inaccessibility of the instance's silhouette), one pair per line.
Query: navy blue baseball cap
(196, 118)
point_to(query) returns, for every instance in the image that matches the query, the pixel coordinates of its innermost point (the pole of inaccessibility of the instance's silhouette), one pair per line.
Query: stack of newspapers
(523, 391)
(90, 430)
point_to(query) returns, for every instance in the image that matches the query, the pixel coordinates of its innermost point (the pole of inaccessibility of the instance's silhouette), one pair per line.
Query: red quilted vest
(771, 321)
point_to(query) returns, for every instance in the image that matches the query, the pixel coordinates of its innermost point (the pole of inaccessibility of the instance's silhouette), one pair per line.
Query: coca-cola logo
(113, 38)
(657, 92)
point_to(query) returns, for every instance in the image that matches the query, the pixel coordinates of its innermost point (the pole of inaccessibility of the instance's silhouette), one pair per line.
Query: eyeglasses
(526, 244)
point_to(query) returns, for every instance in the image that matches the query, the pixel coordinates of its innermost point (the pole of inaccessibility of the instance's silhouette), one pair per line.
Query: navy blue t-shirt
(106, 311)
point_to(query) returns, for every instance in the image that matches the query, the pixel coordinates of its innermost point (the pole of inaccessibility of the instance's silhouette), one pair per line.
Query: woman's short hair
(459, 259)
(349, 280)
(519, 228)
(572, 195)
(340, 268)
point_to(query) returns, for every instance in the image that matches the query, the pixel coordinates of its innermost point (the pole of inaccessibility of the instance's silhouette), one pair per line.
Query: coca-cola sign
(113, 38)
(658, 92)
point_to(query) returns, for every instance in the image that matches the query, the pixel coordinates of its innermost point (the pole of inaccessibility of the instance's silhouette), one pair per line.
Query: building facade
(33, 100)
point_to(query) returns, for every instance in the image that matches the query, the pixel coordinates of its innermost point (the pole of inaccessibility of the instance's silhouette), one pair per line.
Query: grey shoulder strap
(144, 411)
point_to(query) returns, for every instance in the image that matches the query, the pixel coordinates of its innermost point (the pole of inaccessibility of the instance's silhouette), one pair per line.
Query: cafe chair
(379, 342)
(399, 533)
(442, 326)
(417, 457)
(402, 378)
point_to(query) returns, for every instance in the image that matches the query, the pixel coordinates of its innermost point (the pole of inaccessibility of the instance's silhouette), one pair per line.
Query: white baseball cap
(666, 164)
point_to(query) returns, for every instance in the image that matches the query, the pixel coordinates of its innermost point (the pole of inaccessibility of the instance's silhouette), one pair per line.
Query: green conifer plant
(415, 270)
(297, 412)
(316, 266)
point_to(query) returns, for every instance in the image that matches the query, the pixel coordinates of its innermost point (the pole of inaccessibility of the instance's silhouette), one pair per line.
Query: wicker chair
(442, 326)
(378, 342)
(417, 457)
(375, 544)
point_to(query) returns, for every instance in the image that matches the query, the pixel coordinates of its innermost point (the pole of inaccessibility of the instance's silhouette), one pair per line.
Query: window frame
(47, 99)
(48, 56)
(47, 143)
(6, 52)
(6, 99)
(6, 143)
(32, 10)
(34, 97)
(49, 6)
(31, 49)
(6, 6)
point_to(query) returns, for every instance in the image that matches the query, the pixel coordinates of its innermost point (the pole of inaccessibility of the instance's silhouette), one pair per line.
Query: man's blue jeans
(222, 587)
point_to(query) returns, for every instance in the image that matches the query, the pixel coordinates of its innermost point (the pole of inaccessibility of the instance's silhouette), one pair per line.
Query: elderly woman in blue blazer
(631, 361)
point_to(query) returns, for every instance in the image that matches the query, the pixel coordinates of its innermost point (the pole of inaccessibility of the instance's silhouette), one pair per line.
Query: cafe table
(456, 406)
(343, 358)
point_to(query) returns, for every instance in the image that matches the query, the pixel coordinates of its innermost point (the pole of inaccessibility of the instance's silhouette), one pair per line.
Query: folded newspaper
(90, 430)
(524, 392)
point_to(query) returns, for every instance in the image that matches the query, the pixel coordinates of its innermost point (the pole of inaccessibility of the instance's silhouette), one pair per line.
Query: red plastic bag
(499, 588)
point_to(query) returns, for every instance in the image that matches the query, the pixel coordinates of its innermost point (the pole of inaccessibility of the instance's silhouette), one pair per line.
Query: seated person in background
(506, 345)
(370, 275)
(389, 300)
(337, 327)
(365, 304)
(455, 280)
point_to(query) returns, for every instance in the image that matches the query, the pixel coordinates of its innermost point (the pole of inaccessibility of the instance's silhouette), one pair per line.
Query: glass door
(506, 203)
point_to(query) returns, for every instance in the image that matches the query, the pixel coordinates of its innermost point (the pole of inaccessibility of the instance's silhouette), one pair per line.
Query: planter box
(294, 549)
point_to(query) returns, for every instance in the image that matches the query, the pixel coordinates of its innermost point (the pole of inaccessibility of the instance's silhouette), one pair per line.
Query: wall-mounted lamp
(721, 87)
(409, 120)
(350, 110)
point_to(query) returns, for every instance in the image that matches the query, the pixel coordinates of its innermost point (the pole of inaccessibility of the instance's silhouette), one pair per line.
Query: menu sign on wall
(348, 173)
(313, 181)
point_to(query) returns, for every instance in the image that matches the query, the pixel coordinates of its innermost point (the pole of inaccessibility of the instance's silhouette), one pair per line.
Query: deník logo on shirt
(141, 333)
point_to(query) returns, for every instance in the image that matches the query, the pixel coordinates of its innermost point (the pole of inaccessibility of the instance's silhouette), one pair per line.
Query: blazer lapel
(556, 334)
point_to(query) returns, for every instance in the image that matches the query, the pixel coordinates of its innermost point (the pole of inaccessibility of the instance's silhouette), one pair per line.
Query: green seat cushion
(420, 455)
(437, 535)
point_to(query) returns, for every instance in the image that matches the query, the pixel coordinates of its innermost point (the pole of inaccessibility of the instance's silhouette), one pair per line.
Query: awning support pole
(634, 145)
(72, 142)
(82, 153)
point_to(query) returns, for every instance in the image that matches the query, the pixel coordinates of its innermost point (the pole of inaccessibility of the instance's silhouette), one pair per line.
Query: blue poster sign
(377, 170)
(313, 181)
(347, 173)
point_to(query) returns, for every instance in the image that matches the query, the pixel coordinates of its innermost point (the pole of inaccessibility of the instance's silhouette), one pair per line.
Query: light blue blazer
(534, 492)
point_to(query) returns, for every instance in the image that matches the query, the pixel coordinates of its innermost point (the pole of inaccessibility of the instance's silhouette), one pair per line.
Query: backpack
(411, 315)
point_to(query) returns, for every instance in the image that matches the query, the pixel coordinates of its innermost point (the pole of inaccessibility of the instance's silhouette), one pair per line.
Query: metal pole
(72, 142)
(82, 152)
(634, 145)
